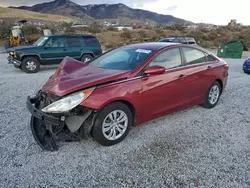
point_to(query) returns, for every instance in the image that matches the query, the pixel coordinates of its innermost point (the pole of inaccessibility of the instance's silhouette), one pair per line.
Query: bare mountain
(60, 7)
(102, 11)
(7, 13)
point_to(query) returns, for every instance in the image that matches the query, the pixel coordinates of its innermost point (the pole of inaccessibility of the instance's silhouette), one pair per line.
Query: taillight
(226, 66)
(101, 48)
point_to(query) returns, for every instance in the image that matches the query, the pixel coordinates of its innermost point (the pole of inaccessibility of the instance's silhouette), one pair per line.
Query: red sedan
(122, 88)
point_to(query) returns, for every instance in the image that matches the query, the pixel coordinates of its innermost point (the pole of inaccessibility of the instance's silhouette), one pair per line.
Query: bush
(178, 27)
(95, 27)
(69, 30)
(5, 31)
(111, 28)
(126, 34)
(29, 30)
(142, 34)
(159, 32)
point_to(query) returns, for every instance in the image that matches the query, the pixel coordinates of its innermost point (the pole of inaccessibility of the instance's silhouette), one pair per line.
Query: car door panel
(74, 47)
(91, 45)
(196, 77)
(54, 50)
(164, 92)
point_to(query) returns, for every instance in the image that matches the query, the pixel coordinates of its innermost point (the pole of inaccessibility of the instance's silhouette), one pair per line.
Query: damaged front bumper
(48, 129)
(13, 61)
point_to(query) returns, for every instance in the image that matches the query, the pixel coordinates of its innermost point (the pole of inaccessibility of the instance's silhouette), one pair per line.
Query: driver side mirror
(46, 46)
(156, 69)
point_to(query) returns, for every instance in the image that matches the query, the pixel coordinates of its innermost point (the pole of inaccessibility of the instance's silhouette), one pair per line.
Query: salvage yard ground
(196, 147)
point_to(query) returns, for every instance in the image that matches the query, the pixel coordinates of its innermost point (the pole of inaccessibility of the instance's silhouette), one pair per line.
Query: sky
(213, 11)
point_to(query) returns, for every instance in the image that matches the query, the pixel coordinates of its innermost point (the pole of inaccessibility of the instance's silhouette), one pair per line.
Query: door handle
(182, 76)
(209, 67)
(64, 50)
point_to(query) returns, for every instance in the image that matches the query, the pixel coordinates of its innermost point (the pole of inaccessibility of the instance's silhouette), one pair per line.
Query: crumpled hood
(73, 75)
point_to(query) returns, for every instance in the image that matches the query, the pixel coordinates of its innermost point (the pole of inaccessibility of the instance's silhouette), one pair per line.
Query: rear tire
(112, 124)
(85, 58)
(213, 95)
(30, 65)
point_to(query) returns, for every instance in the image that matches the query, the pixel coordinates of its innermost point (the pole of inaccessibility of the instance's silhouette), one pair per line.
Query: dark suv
(182, 40)
(52, 49)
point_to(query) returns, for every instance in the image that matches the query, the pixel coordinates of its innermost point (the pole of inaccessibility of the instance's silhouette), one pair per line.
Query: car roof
(161, 45)
(63, 35)
(151, 45)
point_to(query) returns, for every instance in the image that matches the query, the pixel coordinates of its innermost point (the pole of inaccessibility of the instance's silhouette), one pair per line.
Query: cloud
(170, 8)
(177, 8)
(7, 3)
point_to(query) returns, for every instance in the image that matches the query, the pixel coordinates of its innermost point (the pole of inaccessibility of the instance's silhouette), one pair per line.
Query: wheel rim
(86, 59)
(115, 125)
(214, 94)
(31, 65)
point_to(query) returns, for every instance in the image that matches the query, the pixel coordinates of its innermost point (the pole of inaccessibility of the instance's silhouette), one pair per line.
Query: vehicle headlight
(11, 53)
(69, 102)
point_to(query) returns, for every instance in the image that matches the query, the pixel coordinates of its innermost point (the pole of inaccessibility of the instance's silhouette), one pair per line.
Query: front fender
(128, 91)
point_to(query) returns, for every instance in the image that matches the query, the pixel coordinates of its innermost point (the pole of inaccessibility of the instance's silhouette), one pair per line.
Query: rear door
(197, 76)
(74, 47)
(164, 92)
(54, 50)
(91, 45)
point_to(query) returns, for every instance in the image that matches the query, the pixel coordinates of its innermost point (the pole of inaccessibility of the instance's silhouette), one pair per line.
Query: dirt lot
(192, 148)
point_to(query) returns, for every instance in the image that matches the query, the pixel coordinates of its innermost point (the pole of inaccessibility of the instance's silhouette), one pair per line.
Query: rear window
(210, 58)
(91, 41)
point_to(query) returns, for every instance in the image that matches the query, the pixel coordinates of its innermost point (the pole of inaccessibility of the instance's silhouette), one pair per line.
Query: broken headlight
(68, 103)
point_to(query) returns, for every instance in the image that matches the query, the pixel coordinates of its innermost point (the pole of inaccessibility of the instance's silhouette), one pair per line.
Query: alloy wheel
(115, 125)
(214, 94)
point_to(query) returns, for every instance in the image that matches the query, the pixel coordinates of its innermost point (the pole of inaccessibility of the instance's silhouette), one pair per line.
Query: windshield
(122, 59)
(41, 41)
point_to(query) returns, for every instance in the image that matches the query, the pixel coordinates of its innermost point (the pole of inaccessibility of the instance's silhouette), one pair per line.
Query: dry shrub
(110, 28)
(126, 34)
(5, 31)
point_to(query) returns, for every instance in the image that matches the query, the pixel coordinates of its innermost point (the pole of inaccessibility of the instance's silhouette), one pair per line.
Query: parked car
(182, 40)
(246, 66)
(124, 87)
(52, 49)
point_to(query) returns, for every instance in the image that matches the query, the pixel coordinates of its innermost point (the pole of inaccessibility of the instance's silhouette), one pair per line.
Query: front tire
(30, 65)
(112, 124)
(213, 95)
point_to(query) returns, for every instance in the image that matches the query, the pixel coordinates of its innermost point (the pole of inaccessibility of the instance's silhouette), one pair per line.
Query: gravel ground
(196, 147)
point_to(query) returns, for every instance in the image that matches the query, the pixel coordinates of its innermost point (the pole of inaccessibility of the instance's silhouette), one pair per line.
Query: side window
(169, 59)
(55, 42)
(194, 56)
(73, 41)
(91, 41)
(183, 41)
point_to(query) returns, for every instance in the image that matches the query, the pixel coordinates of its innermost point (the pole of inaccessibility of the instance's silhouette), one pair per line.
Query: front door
(54, 50)
(164, 92)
